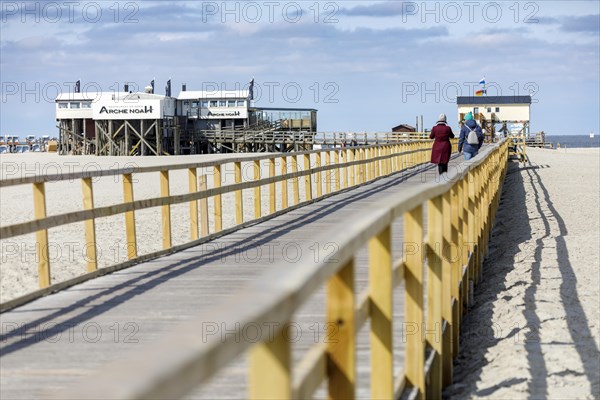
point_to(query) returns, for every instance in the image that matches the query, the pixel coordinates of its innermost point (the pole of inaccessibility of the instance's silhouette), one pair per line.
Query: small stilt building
(194, 122)
(512, 113)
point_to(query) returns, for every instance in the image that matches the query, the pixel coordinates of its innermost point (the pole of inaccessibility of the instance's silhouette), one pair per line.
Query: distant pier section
(195, 122)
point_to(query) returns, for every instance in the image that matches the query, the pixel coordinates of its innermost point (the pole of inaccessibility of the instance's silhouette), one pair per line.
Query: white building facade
(490, 110)
(144, 123)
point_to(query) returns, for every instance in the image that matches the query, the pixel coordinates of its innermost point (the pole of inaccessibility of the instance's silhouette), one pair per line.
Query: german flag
(480, 92)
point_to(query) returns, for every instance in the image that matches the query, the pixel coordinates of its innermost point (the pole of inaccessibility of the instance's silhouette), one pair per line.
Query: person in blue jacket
(469, 150)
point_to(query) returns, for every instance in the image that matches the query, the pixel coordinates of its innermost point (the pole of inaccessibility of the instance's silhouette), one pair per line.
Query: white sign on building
(220, 113)
(123, 109)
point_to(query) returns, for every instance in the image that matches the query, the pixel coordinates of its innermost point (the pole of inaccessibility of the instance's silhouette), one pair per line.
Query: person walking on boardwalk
(469, 145)
(442, 148)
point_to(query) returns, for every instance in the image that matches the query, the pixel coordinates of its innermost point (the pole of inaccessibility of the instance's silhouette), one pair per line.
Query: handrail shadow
(577, 322)
(513, 227)
(478, 329)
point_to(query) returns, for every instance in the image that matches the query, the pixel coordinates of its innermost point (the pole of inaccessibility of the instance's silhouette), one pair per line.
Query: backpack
(472, 136)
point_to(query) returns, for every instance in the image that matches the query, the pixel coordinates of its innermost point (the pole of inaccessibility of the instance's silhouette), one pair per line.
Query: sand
(533, 331)
(18, 256)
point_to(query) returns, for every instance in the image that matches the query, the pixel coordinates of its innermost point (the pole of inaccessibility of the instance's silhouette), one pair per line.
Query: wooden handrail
(71, 176)
(107, 211)
(181, 361)
(413, 153)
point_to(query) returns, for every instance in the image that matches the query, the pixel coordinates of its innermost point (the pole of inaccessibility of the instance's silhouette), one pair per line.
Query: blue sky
(365, 65)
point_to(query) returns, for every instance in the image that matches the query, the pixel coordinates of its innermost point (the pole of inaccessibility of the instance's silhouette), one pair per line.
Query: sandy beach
(18, 266)
(533, 331)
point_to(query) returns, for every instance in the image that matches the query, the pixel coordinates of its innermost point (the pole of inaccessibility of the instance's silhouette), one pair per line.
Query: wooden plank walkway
(50, 343)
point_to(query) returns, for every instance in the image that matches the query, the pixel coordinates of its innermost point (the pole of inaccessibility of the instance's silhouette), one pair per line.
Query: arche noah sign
(149, 109)
(140, 110)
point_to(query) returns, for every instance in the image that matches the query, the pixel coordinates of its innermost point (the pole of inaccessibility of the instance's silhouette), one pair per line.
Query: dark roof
(493, 100)
(404, 126)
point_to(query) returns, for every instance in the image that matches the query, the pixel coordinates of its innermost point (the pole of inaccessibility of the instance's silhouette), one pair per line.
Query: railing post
(284, 184)
(90, 225)
(39, 212)
(447, 285)
(464, 183)
(377, 163)
(129, 217)
(380, 293)
(372, 164)
(434, 293)
(414, 155)
(239, 199)
(346, 155)
(400, 150)
(351, 168)
(362, 167)
(272, 188)
(203, 206)
(270, 369)
(414, 362)
(307, 178)
(217, 198)
(456, 264)
(295, 184)
(257, 191)
(193, 188)
(486, 204)
(483, 207)
(329, 173)
(166, 210)
(400, 156)
(340, 318)
(367, 165)
(318, 175)
(337, 174)
(471, 224)
(478, 228)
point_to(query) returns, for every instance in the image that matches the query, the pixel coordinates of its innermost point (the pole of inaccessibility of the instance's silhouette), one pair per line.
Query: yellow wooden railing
(349, 167)
(518, 146)
(370, 138)
(460, 212)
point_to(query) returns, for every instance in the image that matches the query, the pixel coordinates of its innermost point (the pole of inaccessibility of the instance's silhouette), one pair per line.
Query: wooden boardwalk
(50, 343)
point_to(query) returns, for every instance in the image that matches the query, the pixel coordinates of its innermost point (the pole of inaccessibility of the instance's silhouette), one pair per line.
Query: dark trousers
(442, 168)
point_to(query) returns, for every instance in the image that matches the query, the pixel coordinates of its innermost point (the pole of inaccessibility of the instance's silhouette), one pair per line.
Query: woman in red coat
(442, 148)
